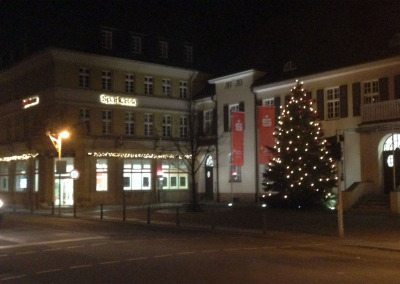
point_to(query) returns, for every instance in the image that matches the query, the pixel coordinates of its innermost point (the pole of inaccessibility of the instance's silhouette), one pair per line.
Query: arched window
(393, 139)
(209, 161)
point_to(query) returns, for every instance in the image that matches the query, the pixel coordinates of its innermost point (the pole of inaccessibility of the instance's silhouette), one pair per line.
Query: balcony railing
(382, 111)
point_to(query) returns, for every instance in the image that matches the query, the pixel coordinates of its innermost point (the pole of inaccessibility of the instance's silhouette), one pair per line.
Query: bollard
(101, 212)
(148, 215)
(177, 217)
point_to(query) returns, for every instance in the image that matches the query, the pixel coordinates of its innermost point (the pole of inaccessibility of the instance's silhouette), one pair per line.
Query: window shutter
(241, 106)
(383, 89)
(320, 104)
(397, 87)
(343, 101)
(356, 99)
(214, 122)
(226, 118)
(277, 103)
(200, 118)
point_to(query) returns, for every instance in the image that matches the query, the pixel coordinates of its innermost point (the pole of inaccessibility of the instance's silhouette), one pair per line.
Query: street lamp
(56, 140)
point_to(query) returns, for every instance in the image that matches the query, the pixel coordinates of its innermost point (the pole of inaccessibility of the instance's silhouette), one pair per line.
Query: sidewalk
(377, 231)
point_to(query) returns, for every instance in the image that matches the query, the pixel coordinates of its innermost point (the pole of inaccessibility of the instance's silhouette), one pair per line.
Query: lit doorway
(64, 184)
(209, 178)
(391, 163)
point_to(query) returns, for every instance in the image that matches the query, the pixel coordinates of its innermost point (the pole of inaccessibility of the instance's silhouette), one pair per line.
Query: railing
(387, 110)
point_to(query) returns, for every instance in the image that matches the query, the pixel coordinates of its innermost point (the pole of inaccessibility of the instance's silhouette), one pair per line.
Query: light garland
(25, 156)
(164, 156)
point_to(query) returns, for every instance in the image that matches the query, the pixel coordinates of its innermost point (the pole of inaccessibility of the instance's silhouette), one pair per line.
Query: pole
(394, 163)
(340, 197)
(59, 173)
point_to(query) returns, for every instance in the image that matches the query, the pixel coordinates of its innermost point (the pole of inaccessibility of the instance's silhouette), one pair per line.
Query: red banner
(266, 126)
(237, 132)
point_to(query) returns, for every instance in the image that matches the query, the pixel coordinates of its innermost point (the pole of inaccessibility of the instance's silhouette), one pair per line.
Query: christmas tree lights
(302, 169)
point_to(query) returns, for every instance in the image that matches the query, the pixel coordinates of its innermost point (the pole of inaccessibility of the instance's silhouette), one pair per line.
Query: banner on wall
(266, 126)
(237, 137)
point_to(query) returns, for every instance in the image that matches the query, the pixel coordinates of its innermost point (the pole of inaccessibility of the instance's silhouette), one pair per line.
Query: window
(129, 123)
(148, 124)
(235, 174)
(129, 83)
(166, 126)
(83, 78)
(228, 85)
(21, 176)
(207, 121)
(137, 174)
(101, 175)
(148, 85)
(84, 117)
(371, 92)
(232, 108)
(106, 39)
(332, 103)
(163, 49)
(183, 126)
(239, 82)
(268, 102)
(4, 176)
(175, 174)
(106, 80)
(183, 89)
(106, 121)
(166, 87)
(136, 44)
(36, 176)
(188, 51)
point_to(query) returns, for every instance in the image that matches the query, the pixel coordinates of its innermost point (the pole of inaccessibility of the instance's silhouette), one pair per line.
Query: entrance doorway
(391, 163)
(209, 178)
(63, 183)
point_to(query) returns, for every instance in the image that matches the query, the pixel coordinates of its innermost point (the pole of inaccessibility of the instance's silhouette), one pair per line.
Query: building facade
(129, 123)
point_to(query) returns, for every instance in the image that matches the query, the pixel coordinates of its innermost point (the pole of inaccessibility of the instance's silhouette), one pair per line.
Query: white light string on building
(137, 155)
(25, 156)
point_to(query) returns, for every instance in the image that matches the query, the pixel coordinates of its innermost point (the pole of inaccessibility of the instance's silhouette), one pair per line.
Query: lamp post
(56, 140)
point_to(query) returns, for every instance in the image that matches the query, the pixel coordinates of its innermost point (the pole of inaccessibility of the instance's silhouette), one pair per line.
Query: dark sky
(232, 35)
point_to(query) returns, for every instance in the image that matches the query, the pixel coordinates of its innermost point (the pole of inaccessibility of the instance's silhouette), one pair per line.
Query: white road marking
(185, 253)
(51, 249)
(210, 251)
(25, 252)
(13, 277)
(74, 247)
(98, 244)
(49, 271)
(52, 242)
(80, 266)
(162, 255)
(109, 262)
(137, 258)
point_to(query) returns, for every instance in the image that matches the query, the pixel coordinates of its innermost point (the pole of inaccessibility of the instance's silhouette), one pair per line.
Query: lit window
(235, 174)
(106, 121)
(129, 83)
(392, 142)
(148, 85)
(268, 102)
(371, 92)
(84, 117)
(148, 124)
(332, 102)
(83, 78)
(106, 80)
(175, 175)
(166, 87)
(136, 44)
(36, 176)
(183, 89)
(4, 176)
(129, 123)
(183, 126)
(101, 175)
(137, 175)
(207, 121)
(232, 108)
(106, 39)
(163, 49)
(21, 176)
(167, 126)
(188, 50)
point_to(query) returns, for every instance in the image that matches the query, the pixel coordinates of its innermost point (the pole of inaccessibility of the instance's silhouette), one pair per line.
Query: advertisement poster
(266, 126)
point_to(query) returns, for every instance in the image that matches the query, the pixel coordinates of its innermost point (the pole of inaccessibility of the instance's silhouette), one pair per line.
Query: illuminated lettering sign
(30, 102)
(117, 100)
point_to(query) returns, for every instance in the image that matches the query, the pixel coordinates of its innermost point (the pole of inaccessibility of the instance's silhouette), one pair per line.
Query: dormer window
(136, 42)
(163, 49)
(106, 39)
(188, 52)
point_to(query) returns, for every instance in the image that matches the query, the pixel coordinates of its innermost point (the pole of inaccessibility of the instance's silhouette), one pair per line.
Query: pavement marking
(74, 247)
(25, 252)
(51, 249)
(109, 262)
(210, 250)
(186, 253)
(232, 249)
(138, 258)
(51, 242)
(81, 266)
(162, 255)
(48, 271)
(98, 244)
(13, 277)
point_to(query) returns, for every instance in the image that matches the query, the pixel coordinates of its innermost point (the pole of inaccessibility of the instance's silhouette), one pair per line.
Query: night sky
(230, 36)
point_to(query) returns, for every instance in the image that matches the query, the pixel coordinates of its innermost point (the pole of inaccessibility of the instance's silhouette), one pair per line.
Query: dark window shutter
(320, 104)
(356, 99)
(200, 117)
(397, 87)
(241, 106)
(214, 122)
(383, 89)
(226, 118)
(343, 101)
(277, 103)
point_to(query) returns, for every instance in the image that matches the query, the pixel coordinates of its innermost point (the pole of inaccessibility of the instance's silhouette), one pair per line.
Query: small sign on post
(61, 167)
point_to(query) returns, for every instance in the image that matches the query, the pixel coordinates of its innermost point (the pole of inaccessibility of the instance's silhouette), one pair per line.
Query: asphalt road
(36, 249)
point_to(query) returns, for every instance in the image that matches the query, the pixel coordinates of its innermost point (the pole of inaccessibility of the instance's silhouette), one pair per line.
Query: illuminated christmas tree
(302, 170)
